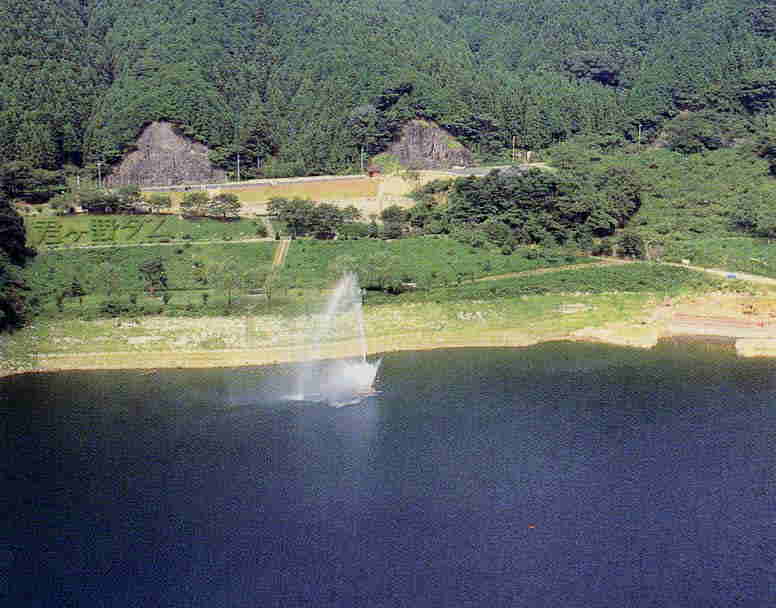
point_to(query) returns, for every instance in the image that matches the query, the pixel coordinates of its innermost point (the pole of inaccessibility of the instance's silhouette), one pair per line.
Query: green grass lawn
(79, 230)
(427, 261)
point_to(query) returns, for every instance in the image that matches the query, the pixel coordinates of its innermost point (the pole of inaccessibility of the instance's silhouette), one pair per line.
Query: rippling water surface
(563, 475)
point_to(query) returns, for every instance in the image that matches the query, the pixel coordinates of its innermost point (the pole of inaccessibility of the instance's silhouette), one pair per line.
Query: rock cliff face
(165, 158)
(423, 145)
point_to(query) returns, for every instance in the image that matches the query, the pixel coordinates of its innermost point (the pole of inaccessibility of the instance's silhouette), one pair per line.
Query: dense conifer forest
(299, 87)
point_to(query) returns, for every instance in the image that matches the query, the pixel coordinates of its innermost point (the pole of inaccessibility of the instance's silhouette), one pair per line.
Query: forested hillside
(299, 87)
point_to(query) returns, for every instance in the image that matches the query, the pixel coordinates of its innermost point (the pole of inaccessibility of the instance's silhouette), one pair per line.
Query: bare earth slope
(164, 158)
(423, 145)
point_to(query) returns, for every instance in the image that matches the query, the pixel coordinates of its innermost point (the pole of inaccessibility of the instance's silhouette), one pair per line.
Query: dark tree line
(13, 255)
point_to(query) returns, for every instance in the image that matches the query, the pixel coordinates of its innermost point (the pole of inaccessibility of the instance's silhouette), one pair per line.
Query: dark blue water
(558, 476)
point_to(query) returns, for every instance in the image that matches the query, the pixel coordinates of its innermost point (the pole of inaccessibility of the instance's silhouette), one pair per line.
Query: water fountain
(342, 381)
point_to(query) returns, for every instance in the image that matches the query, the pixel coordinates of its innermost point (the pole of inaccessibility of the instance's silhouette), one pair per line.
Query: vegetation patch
(424, 261)
(720, 193)
(628, 278)
(511, 207)
(143, 279)
(130, 229)
(387, 162)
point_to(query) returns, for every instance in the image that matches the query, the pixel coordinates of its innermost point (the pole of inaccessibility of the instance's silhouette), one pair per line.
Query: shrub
(113, 307)
(261, 229)
(195, 203)
(632, 245)
(159, 201)
(392, 230)
(354, 230)
(474, 237)
(603, 248)
(497, 232)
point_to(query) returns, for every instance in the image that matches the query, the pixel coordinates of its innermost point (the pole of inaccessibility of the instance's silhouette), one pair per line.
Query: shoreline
(643, 338)
(707, 317)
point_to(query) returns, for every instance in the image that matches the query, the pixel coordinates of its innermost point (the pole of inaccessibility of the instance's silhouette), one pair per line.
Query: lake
(562, 475)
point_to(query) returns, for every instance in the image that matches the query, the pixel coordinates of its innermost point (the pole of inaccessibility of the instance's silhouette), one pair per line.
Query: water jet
(345, 381)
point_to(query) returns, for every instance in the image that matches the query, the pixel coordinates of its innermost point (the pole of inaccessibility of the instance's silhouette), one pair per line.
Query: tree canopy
(530, 207)
(13, 254)
(300, 88)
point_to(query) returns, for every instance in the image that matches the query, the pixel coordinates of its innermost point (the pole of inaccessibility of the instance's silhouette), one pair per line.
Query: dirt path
(280, 254)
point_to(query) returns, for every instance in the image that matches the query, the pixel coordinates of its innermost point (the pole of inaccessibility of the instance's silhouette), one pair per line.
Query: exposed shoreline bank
(632, 337)
(710, 317)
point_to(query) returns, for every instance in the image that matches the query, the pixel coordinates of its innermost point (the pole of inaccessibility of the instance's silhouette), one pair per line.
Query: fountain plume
(344, 381)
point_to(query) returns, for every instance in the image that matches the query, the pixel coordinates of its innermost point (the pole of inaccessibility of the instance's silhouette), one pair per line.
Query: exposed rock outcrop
(165, 158)
(423, 145)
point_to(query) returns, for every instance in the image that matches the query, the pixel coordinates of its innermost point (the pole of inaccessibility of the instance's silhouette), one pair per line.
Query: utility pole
(237, 143)
(362, 159)
(99, 174)
(639, 136)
